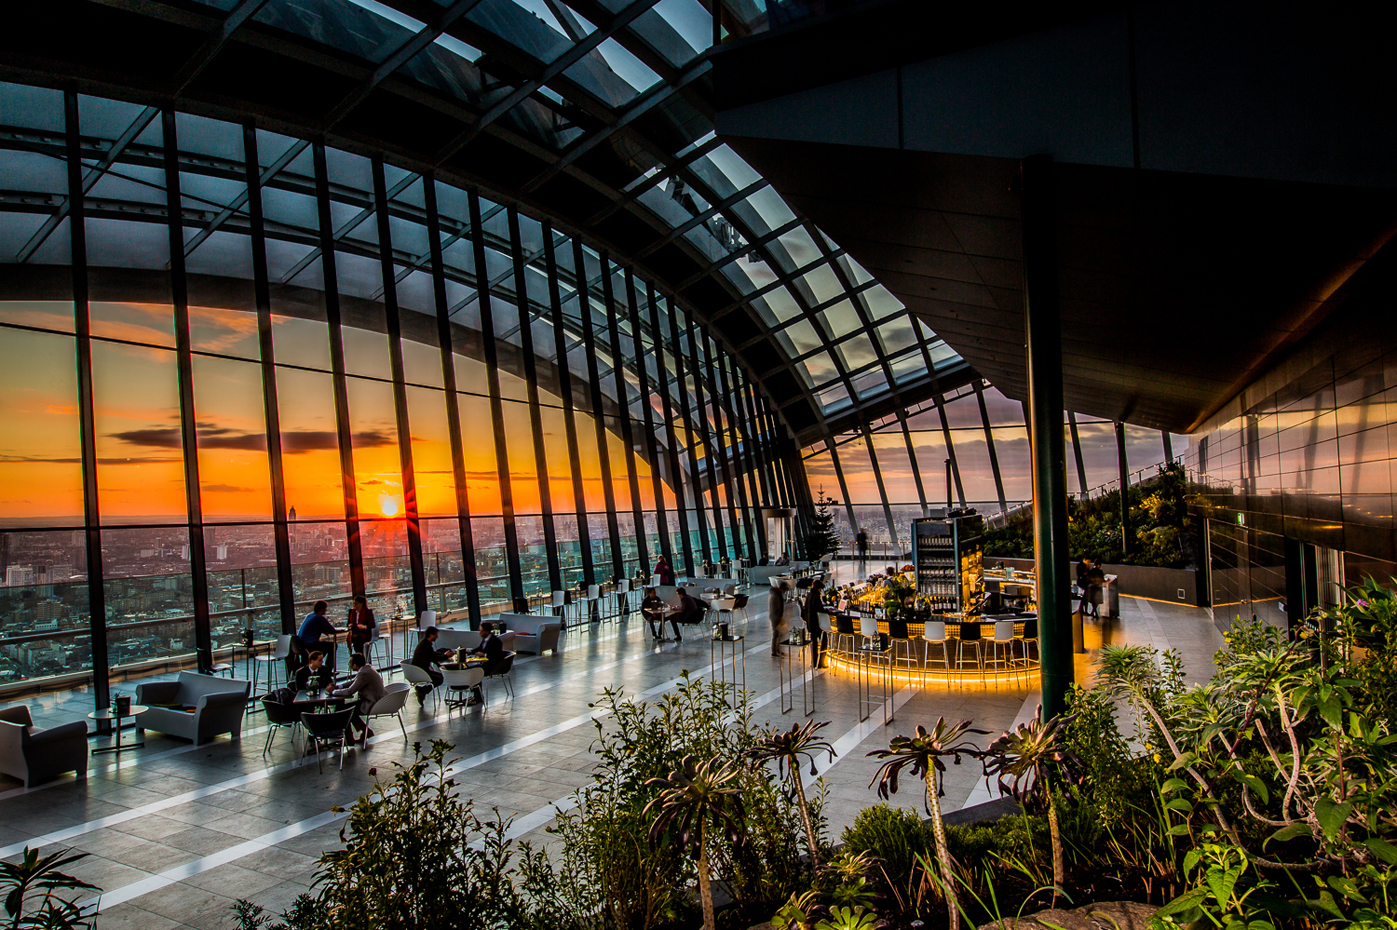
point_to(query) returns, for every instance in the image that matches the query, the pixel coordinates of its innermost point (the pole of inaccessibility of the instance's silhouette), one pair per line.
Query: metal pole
(1125, 487)
(1043, 340)
(949, 502)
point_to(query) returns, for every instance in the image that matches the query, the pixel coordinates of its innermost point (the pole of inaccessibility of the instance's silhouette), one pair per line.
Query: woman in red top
(664, 574)
(361, 624)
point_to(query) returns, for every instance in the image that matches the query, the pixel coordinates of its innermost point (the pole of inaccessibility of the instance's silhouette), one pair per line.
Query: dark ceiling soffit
(871, 37)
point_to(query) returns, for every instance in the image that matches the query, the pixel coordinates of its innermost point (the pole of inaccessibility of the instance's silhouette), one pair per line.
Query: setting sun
(389, 505)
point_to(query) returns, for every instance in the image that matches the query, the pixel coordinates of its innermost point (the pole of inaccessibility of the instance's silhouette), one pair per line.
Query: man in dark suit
(314, 674)
(426, 657)
(492, 648)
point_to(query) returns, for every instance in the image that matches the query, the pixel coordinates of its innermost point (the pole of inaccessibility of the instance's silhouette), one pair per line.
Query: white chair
(935, 635)
(593, 597)
(428, 618)
(559, 605)
(1003, 641)
(724, 605)
(391, 704)
(623, 598)
(415, 676)
(868, 629)
(826, 629)
(460, 682)
(279, 654)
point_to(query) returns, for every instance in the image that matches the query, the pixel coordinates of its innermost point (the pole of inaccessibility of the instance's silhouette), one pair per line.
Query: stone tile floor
(176, 832)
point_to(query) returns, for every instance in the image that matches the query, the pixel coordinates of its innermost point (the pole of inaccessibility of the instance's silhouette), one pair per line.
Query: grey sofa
(469, 639)
(33, 755)
(532, 633)
(218, 705)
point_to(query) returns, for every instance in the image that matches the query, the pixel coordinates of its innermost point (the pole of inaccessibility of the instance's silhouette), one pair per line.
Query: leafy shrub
(604, 871)
(895, 837)
(415, 855)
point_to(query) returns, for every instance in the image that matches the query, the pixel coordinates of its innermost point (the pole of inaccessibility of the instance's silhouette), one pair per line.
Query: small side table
(108, 714)
(725, 653)
(875, 662)
(788, 679)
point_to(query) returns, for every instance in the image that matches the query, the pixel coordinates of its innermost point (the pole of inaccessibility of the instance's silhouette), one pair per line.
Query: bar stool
(969, 636)
(844, 633)
(593, 599)
(1029, 637)
(897, 634)
(822, 617)
(279, 654)
(559, 605)
(623, 598)
(935, 635)
(1003, 642)
(868, 629)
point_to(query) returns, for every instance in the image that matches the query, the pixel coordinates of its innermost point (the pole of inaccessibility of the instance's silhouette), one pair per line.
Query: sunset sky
(139, 448)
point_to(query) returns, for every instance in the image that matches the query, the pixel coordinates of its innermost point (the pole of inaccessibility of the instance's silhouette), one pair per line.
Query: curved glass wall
(593, 111)
(244, 372)
(975, 440)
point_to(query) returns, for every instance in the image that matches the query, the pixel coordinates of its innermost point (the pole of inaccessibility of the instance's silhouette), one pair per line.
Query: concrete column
(1043, 340)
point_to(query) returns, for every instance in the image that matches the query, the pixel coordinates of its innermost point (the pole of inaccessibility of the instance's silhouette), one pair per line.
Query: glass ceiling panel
(907, 367)
(690, 20)
(524, 29)
(840, 320)
(369, 30)
(655, 46)
(823, 284)
(856, 352)
(880, 302)
(799, 248)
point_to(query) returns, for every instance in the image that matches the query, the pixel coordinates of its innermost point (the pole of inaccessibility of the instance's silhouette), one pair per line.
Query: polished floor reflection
(176, 832)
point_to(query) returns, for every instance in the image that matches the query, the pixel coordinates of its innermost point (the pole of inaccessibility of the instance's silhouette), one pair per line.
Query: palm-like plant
(1029, 761)
(32, 890)
(693, 798)
(924, 755)
(788, 748)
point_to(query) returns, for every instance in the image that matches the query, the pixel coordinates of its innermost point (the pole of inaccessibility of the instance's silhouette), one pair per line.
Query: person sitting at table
(426, 657)
(491, 647)
(315, 626)
(314, 674)
(360, 624)
(691, 610)
(368, 686)
(653, 607)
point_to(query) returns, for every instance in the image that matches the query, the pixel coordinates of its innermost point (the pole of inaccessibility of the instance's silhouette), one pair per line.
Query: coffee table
(108, 714)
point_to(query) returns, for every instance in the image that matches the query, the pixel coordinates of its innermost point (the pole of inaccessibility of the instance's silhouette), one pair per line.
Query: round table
(135, 710)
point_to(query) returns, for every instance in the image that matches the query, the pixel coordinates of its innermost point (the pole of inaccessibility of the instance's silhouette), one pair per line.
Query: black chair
(898, 635)
(1030, 634)
(844, 630)
(970, 636)
(504, 671)
(279, 717)
(327, 729)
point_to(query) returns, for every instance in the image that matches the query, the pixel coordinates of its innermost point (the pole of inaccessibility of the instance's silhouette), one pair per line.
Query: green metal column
(1043, 339)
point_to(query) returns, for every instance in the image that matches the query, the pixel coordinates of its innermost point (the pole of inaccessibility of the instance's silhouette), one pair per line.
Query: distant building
(19, 575)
